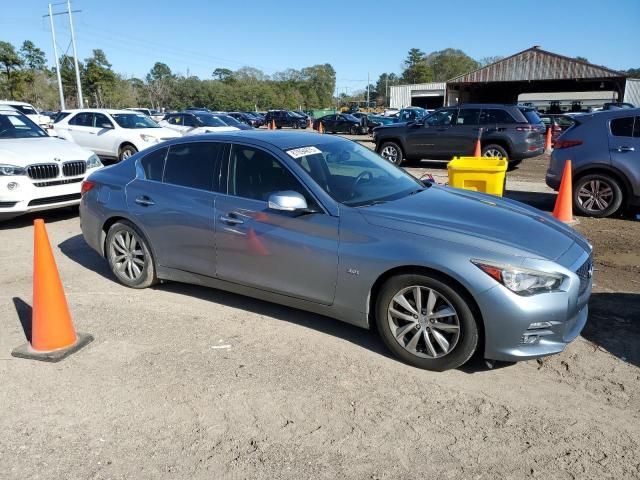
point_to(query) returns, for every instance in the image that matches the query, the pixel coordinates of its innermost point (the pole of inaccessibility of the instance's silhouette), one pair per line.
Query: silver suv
(604, 148)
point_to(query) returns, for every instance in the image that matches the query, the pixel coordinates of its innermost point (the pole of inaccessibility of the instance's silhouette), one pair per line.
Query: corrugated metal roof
(632, 91)
(535, 64)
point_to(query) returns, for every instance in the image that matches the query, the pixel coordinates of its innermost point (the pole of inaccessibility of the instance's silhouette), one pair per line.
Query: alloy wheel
(595, 195)
(390, 153)
(126, 153)
(493, 152)
(424, 322)
(127, 255)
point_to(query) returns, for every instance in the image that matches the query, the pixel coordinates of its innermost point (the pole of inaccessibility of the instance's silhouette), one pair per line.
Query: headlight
(521, 280)
(93, 162)
(148, 138)
(10, 170)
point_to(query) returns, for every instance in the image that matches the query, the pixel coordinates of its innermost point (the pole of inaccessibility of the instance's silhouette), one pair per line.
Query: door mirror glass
(287, 201)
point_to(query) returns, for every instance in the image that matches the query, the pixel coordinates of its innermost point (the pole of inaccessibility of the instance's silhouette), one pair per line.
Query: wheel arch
(395, 140)
(109, 222)
(504, 143)
(126, 143)
(625, 184)
(374, 292)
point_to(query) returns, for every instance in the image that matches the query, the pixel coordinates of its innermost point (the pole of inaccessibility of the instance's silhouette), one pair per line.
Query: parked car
(324, 224)
(154, 115)
(557, 123)
(285, 118)
(113, 134)
(302, 114)
(38, 172)
(604, 149)
(247, 119)
(370, 124)
(232, 122)
(411, 114)
(340, 122)
(508, 131)
(615, 105)
(30, 111)
(194, 123)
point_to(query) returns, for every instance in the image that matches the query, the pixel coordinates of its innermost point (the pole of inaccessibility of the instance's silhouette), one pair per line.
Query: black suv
(285, 118)
(505, 131)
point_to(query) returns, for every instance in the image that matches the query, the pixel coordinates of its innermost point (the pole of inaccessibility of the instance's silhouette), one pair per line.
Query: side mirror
(287, 201)
(107, 126)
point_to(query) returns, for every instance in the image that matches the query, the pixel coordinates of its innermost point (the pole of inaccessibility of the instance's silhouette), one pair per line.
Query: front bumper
(508, 319)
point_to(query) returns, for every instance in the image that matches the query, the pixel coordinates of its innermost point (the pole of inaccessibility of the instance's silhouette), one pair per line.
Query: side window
(60, 116)
(494, 115)
(622, 127)
(468, 116)
(82, 119)
(636, 128)
(256, 174)
(101, 121)
(192, 165)
(189, 121)
(153, 164)
(171, 119)
(441, 117)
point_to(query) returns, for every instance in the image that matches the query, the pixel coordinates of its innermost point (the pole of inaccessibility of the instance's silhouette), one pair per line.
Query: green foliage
(582, 59)
(416, 70)
(450, 63)
(634, 72)
(10, 61)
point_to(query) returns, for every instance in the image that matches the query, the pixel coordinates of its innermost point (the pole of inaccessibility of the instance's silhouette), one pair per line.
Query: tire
(458, 332)
(494, 151)
(296, 126)
(354, 130)
(597, 195)
(126, 151)
(125, 270)
(392, 152)
(278, 127)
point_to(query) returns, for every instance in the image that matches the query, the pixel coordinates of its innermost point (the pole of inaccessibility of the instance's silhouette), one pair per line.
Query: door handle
(231, 220)
(624, 149)
(144, 201)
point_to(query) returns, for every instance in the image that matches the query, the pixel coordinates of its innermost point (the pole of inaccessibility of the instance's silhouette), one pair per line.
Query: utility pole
(367, 89)
(386, 91)
(75, 57)
(55, 54)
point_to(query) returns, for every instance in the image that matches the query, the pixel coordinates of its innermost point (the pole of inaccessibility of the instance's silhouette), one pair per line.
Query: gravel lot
(190, 383)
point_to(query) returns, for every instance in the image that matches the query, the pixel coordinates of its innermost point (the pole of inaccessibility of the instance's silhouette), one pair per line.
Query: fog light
(538, 325)
(529, 339)
(12, 185)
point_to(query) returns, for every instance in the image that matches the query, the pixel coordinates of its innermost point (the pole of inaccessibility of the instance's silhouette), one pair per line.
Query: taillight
(567, 143)
(86, 186)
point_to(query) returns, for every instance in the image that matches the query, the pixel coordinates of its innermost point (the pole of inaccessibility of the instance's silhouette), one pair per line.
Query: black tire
(397, 158)
(468, 336)
(278, 127)
(126, 151)
(494, 151)
(354, 130)
(609, 192)
(296, 126)
(147, 276)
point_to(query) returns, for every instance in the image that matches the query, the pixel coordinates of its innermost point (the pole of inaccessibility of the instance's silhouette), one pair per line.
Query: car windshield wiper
(374, 202)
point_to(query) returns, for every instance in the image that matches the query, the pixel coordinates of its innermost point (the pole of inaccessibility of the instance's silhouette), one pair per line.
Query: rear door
(286, 253)
(173, 199)
(624, 144)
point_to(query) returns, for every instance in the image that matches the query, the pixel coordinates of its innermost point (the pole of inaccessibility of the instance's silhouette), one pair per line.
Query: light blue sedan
(323, 224)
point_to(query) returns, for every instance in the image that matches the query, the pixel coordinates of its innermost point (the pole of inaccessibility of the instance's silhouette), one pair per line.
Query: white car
(29, 110)
(38, 172)
(155, 115)
(116, 134)
(193, 123)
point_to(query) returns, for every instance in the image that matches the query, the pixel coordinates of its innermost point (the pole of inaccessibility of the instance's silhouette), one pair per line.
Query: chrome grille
(73, 169)
(585, 272)
(44, 171)
(57, 182)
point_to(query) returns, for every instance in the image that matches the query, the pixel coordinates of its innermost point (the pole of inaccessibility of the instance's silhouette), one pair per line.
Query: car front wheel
(597, 195)
(425, 322)
(392, 152)
(129, 256)
(127, 151)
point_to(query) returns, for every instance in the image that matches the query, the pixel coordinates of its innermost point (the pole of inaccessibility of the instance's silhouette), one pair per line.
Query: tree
(489, 60)
(160, 80)
(10, 61)
(416, 70)
(68, 76)
(582, 59)
(32, 57)
(99, 79)
(634, 72)
(383, 87)
(449, 63)
(223, 74)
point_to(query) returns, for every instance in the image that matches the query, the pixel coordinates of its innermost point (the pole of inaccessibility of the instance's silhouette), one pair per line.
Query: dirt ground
(191, 383)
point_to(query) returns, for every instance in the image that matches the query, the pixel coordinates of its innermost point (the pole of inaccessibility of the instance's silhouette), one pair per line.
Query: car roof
(620, 112)
(110, 111)
(13, 102)
(282, 140)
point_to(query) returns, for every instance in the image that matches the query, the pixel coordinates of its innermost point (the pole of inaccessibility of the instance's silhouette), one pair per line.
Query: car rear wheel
(126, 151)
(129, 256)
(425, 322)
(494, 151)
(597, 195)
(392, 152)
(354, 130)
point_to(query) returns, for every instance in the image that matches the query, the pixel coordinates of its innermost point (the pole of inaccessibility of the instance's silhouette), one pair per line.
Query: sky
(358, 38)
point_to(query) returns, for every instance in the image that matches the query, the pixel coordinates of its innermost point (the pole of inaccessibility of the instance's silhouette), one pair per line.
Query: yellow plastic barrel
(480, 174)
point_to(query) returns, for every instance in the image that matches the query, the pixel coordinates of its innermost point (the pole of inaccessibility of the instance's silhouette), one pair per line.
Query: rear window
(531, 115)
(61, 116)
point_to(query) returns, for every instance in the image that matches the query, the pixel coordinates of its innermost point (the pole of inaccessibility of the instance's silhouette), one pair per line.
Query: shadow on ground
(614, 324)
(77, 250)
(540, 200)
(24, 311)
(49, 216)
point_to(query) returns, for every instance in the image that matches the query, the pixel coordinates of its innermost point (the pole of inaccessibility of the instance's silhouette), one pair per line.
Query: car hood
(27, 151)
(478, 220)
(162, 133)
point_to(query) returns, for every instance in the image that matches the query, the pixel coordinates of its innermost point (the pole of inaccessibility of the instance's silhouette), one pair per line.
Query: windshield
(531, 115)
(229, 120)
(26, 109)
(350, 117)
(354, 175)
(19, 126)
(210, 121)
(134, 120)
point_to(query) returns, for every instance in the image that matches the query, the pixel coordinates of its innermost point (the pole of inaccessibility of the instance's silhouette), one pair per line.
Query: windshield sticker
(303, 152)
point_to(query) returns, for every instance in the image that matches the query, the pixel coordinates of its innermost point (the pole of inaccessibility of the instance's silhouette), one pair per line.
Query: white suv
(30, 111)
(114, 134)
(38, 172)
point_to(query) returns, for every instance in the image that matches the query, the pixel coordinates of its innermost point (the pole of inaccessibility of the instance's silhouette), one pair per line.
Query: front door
(624, 145)
(461, 138)
(105, 140)
(174, 201)
(286, 253)
(425, 140)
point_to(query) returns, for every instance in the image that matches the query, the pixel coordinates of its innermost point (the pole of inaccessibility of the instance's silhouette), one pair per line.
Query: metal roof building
(532, 71)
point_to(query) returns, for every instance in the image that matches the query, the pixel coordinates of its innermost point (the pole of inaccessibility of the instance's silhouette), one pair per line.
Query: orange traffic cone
(477, 151)
(563, 209)
(320, 128)
(273, 124)
(547, 141)
(310, 125)
(52, 334)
